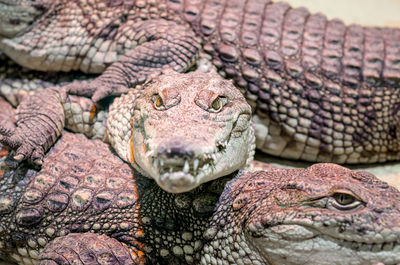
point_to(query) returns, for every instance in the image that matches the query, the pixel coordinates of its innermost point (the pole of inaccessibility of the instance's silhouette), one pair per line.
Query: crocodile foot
(19, 139)
(39, 121)
(97, 89)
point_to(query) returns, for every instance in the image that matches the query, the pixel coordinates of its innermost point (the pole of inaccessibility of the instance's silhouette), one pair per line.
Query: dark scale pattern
(81, 188)
(175, 230)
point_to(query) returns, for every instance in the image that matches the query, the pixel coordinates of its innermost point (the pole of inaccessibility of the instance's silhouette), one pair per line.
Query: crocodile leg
(40, 120)
(43, 125)
(89, 248)
(167, 46)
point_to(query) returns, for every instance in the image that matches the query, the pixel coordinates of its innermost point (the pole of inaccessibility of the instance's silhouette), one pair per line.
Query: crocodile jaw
(182, 174)
(298, 244)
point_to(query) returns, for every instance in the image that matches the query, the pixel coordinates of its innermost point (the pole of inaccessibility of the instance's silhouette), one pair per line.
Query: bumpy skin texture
(86, 203)
(85, 206)
(325, 214)
(7, 115)
(321, 91)
(17, 82)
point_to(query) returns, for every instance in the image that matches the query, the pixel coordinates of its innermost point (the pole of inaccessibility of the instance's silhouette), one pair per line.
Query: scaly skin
(16, 82)
(321, 91)
(84, 206)
(325, 214)
(181, 129)
(7, 114)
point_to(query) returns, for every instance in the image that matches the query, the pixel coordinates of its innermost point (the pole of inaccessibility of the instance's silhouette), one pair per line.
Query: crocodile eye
(158, 102)
(218, 104)
(344, 201)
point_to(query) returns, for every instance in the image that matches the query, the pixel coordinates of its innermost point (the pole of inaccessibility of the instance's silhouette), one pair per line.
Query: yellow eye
(158, 102)
(216, 104)
(343, 199)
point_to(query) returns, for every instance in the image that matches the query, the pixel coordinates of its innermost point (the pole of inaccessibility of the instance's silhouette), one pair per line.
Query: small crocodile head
(325, 214)
(17, 15)
(190, 128)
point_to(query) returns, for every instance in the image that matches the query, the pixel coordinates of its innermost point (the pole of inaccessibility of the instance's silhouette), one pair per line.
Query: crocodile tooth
(186, 167)
(149, 153)
(214, 157)
(195, 164)
(161, 162)
(170, 169)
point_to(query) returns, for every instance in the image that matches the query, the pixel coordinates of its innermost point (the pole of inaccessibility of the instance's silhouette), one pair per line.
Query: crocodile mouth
(312, 246)
(369, 246)
(182, 173)
(349, 243)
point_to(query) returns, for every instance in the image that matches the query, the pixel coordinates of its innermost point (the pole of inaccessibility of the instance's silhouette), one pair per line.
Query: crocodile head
(17, 15)
(186, 129)
(325, 214)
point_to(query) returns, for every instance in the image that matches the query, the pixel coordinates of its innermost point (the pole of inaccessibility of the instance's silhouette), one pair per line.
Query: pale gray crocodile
(181, 129)
(86, 206)
(321, 91)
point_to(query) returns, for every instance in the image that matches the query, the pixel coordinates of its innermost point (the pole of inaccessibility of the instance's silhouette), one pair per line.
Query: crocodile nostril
(176, 148)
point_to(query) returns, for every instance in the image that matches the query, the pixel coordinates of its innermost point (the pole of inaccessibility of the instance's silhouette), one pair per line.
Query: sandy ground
(366, 12)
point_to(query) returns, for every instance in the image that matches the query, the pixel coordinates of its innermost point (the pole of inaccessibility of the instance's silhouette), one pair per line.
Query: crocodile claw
(96, 89)
(104, 91)
(25, 149)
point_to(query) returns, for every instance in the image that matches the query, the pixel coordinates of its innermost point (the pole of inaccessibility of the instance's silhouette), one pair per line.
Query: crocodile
(320, 90)
(86, 206)
(324, 214)
(156, 129)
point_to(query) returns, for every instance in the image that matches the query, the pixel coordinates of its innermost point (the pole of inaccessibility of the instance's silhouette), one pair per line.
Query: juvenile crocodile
(84, 206)
(321, 91)
(181, 129)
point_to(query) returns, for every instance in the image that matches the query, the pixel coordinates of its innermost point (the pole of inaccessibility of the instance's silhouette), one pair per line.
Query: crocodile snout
(175, 148)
